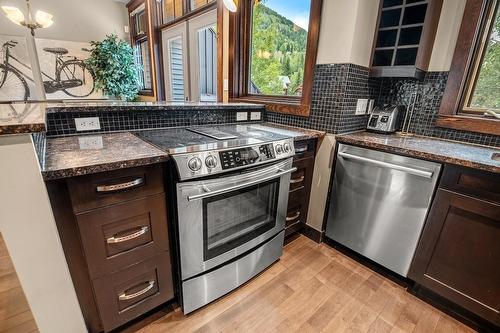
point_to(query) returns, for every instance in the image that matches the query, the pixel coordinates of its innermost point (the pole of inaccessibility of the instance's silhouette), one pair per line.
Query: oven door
(222, 218)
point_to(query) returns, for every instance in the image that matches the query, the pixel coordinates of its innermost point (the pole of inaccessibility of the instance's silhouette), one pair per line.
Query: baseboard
(312, 233)
(466, 317)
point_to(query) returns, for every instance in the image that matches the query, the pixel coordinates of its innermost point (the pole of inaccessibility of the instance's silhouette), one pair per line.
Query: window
(278, 47)
(175, 9)
(273, 53)
(483, 92)
(471, 100)
(140, 39)
(144, 62)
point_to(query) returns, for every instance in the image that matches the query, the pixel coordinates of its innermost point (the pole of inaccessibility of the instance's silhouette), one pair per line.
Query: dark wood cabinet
(114, 232)
(300, 186)
(458, 256)
(404, 37)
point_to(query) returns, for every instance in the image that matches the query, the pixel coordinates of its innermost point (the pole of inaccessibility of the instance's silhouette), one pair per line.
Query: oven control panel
(205, 163)
(245, 156)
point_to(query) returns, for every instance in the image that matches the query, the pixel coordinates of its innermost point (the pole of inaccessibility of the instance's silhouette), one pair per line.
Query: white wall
(30, 233)
(347, 31)
(447, 34)
(74, 20)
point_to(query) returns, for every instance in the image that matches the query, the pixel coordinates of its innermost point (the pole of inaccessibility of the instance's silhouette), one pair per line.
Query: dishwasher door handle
(382, 164)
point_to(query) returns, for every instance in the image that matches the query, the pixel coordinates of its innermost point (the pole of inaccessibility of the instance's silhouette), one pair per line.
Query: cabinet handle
(140, 232)
(121, 186)
(300, 150)
(124, 296)
(296, 189)
(294, 217)
(296, 180)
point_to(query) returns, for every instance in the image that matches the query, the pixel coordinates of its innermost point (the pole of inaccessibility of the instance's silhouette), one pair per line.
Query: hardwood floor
(15, 313)
(313, 288)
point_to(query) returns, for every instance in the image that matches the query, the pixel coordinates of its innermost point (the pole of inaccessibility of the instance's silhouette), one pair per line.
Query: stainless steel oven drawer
(203, 289)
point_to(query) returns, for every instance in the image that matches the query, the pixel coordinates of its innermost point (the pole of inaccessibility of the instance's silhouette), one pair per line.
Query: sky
(296, 11)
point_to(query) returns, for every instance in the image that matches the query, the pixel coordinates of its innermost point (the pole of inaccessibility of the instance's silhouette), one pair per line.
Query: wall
(74, 20)
(30, 232)
(346, 32)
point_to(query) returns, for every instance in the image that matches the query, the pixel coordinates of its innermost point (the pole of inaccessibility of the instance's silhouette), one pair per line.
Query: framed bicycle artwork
(64, 73)
(16, 75)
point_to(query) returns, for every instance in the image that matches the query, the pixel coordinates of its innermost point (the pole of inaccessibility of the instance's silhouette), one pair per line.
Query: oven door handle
(210, 193)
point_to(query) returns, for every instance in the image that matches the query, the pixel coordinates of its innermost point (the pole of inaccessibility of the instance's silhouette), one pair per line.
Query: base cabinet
(113, 229)
(458, 256)
(300, 186)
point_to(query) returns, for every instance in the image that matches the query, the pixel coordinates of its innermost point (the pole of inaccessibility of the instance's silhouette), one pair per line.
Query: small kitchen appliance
(386, 119)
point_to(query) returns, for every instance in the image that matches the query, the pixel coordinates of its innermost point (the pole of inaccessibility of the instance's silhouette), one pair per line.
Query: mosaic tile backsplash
(62, 123)
(336, 87)
(424, 98)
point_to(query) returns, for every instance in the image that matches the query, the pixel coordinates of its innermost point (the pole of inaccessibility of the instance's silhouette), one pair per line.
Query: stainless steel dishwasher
(379, 203)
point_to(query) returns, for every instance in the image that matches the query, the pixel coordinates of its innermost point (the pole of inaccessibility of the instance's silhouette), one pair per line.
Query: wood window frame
(462, 70)
(147, 36)
(155, 27)
(239, 60)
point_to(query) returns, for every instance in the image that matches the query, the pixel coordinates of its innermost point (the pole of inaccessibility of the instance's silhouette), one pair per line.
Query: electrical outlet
(87, 124)
(226, 84)
(241, 116)
(90, 142)
(361, 106)
(255, 115)
(371, 104)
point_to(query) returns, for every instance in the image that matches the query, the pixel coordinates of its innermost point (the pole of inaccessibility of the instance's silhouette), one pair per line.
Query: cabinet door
(459, 253)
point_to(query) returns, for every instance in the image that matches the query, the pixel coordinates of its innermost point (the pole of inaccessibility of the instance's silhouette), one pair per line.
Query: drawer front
(107, 188)
(481, 184)
(129, 293)
(124, 234)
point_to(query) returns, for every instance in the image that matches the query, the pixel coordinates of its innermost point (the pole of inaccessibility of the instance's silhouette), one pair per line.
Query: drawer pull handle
(296, 189)
(300, 150)
(294, 217)
(124, 296)
(121, 186)
(297, 180)
(140, 232)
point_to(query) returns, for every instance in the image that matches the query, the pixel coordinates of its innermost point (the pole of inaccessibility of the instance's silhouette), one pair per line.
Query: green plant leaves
(115, 69)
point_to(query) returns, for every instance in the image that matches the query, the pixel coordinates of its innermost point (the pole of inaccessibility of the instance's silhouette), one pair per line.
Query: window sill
(277, 104)
(471, 124)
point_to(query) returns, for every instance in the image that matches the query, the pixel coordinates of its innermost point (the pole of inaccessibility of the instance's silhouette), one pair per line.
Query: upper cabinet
(404, 37)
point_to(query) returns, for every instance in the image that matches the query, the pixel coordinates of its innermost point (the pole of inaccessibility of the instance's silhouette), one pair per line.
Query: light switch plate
(87, 124)
(241, 116)
(226, 84)
(255, 115)
(361, 106)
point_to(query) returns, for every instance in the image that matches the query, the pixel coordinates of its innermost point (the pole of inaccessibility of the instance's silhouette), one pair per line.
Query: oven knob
(279, 149)
(211, 161)
(287, 147)
(194, 164)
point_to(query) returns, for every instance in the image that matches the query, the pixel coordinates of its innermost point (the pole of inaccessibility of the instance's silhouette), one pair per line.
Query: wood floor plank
(313, 288)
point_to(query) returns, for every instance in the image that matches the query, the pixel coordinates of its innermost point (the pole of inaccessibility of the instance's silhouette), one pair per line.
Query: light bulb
(14, 14)
(44, 19)
(231, 5)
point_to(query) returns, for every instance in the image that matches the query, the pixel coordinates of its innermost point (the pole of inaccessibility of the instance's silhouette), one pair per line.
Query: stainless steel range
(232, 193)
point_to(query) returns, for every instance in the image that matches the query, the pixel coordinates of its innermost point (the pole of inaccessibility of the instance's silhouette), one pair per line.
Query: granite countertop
(118, 106)
(19, 118)
(85, 154)
(446, 151)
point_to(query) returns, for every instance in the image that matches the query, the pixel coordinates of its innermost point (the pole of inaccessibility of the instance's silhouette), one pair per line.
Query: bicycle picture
(70, 76)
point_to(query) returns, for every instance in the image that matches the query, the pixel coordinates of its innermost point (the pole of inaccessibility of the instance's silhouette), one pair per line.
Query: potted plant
(116, 72)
